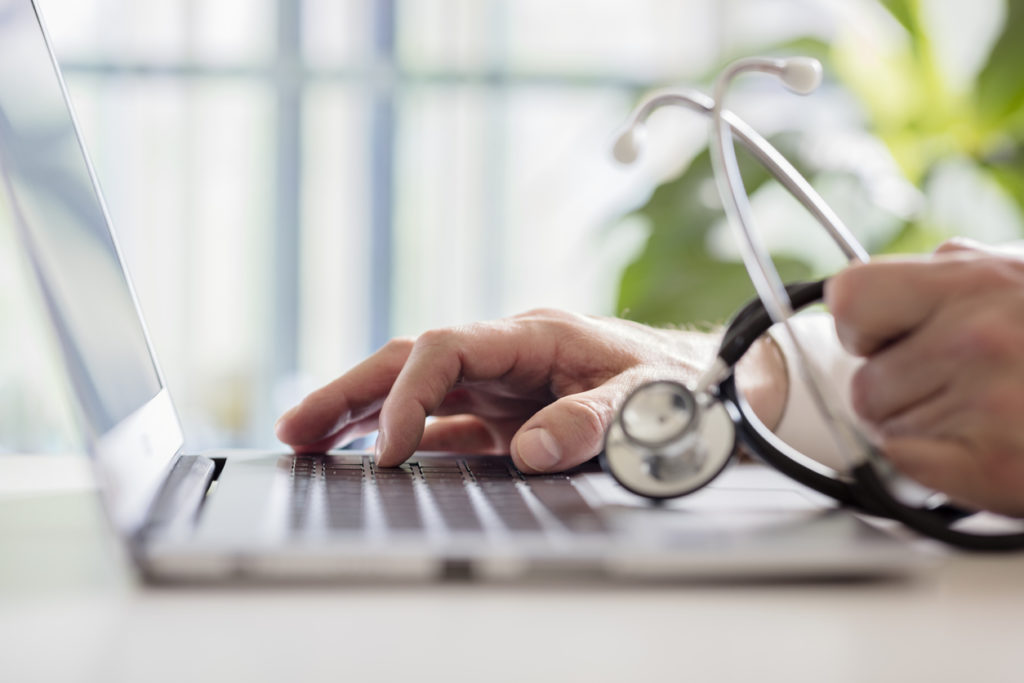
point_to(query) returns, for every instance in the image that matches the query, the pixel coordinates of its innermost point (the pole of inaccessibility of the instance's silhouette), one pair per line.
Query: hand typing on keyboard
(541, 386)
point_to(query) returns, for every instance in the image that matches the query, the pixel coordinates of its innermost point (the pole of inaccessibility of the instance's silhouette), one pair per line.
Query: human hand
(542, 386)
(943, 383)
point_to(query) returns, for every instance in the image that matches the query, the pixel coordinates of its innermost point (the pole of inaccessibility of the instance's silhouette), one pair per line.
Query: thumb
(567, 432)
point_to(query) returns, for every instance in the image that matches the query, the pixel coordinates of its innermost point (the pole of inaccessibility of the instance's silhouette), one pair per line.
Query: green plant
(676, 257)
(926, 121)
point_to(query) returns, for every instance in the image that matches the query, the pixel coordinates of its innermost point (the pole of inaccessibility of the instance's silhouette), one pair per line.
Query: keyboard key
(338, 486)
(344, 495)
(451, 498)
(304, 470)
(501, 492)
(397, 495)
(562, 499)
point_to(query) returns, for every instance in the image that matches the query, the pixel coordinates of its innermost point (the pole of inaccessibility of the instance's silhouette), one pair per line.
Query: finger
(945, 465)
(351, 397)
(933, 417)
(567, 432)
(346, 434)
(877, 302)
(438, 360)
(468, 434)
(903, 374)
(961, 244)
(496, 411)
(489, 404)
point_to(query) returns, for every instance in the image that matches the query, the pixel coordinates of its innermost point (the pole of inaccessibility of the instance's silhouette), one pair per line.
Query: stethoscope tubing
(777, 164)
(861, 489)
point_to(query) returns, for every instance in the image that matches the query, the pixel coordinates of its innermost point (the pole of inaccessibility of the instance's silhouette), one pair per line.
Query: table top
(72, 609)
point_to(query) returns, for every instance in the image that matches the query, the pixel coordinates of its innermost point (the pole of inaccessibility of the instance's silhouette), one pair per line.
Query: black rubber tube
(865, 491)
(927, 523)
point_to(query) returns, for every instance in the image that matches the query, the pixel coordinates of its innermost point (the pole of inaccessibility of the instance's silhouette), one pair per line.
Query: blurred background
(294, 182)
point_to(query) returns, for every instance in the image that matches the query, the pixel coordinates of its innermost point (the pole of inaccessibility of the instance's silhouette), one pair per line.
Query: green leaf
(914, 238)
(904, 12)
(1000, 85)
(675, 280)
(1008, 171)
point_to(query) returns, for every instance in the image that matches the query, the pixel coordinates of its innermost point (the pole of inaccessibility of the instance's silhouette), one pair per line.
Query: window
(295, 182)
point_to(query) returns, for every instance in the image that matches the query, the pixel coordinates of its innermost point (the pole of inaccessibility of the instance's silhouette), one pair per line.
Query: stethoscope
(669, 439)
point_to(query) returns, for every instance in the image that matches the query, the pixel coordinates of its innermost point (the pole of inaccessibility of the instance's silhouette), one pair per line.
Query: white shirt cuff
(802, 425)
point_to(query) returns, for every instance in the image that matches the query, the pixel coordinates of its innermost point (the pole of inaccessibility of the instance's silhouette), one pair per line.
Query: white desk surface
(71, 610)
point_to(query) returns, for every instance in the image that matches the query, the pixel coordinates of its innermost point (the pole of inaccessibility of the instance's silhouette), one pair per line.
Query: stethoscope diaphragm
(667, 441)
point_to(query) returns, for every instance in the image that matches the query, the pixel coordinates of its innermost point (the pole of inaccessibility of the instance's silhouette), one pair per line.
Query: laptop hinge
(181, 496)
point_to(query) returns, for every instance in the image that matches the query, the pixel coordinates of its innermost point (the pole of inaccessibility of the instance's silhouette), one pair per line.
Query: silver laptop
(265, 516)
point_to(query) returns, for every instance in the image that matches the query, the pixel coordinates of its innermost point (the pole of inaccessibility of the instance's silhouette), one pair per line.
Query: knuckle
(546, 316)
(956, 244)
(588, 417)
(552, 322)
(399, 346)
(545, 312)
(437, 338)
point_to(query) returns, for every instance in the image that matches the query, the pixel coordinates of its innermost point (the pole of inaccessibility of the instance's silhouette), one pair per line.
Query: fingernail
(378, 448)
(538, 449)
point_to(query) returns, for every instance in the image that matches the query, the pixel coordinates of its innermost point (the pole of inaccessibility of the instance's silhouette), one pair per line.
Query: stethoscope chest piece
(667, 441)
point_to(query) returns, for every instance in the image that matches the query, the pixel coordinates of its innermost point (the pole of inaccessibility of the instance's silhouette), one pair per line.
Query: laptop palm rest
(242, 505)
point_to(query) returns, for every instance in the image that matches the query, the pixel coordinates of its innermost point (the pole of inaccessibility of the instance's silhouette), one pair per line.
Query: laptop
(270, 516)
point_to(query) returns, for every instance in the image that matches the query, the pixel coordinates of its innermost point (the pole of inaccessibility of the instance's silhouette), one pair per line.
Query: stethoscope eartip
(629, 143)
(802, 75)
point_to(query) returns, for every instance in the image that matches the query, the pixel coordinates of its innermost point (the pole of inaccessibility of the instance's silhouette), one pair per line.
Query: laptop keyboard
(473, 495)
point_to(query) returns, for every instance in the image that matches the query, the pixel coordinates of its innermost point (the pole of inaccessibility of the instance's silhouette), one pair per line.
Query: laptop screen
(48, 200)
